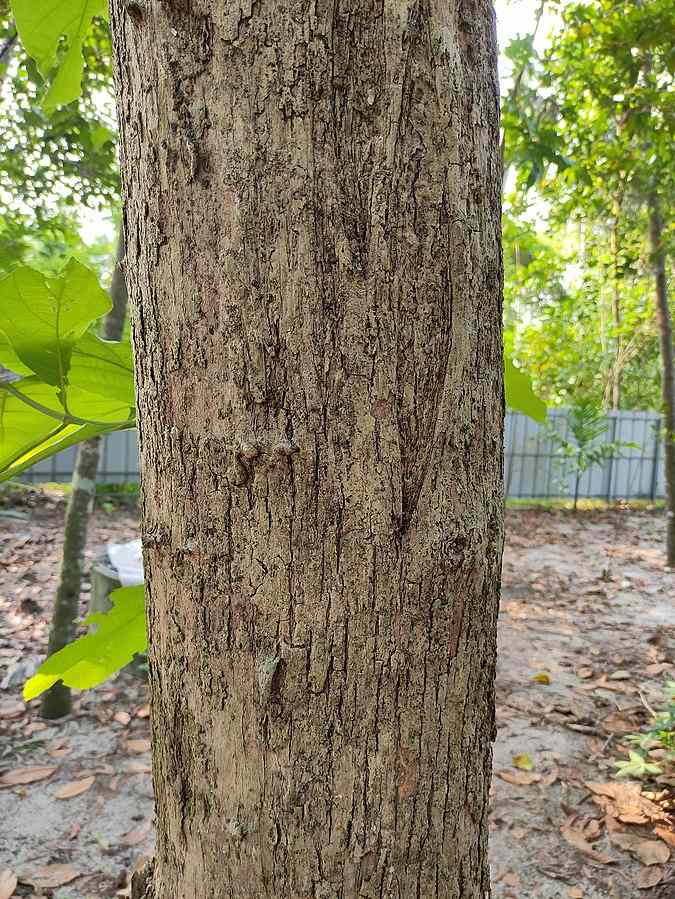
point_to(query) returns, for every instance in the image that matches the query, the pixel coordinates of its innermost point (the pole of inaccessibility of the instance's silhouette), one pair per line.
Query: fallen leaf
(650, 852)
(620, 675)
(138, 746)
(135, 767)
(74, 831)
(543, 677)
(27, 775)
(138, 834)
(575, 893)
(511, 879)
(616, 723)
(667, 835)
(577, 839)
(75, 788)
(9, 710)
(551, 777)
(122, 717)
(627, 803)
(584, 674)
(649, 877)
(592, 829)
(523, 761)
(51, 876)
(143, 712)
(657, 668)
(520, 778)
(8, 882)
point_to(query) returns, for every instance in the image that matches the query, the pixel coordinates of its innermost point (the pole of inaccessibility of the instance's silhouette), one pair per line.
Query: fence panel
(532, 469)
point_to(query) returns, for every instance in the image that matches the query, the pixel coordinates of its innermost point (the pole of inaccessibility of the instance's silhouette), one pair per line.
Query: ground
(586, 643)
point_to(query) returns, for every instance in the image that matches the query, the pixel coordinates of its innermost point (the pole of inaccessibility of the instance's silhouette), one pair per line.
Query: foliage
(587, 425)
(87, 662)
(656, 742)
(42, 24)
(75, 385)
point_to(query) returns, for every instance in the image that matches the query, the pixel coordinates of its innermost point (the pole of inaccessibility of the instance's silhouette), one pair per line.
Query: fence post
(655, 463)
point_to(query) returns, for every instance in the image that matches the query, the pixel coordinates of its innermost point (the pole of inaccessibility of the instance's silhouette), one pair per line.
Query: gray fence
(532, 467)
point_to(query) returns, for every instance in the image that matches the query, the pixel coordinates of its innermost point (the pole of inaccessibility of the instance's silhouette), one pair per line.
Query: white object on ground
(127, 560)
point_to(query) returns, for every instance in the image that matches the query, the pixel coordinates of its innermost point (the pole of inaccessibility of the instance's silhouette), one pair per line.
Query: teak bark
(313, 222)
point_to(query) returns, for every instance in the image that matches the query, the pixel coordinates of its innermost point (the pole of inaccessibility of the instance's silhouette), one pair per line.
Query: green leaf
(87, 662)
(34, 425)
(103, 367)
(41, 25)
(519, 393)
(43, 318)
(9, 359)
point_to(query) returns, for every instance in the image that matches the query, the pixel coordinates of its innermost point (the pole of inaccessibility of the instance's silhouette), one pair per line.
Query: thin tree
(57, 701)
(313, 221)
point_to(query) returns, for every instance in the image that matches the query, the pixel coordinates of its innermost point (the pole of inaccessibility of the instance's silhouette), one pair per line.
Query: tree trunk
(617, 369)
(313, 224)
(57, 702)
(663, 318)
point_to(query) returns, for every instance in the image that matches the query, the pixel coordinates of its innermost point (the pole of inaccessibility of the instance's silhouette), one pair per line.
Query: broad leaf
(519, 393)
(104, 367)
(41, 25)
(42, 318)
(87, 662)
(29, 433)
(9, 359)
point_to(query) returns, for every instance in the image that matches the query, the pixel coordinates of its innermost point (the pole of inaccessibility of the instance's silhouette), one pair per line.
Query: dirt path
(587, 638)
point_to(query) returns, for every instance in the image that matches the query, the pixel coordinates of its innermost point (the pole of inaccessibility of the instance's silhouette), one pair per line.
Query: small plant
(586, 424)
(657, 742)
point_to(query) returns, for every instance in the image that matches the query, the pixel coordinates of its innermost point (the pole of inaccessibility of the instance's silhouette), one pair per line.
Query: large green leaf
(519, 393)
(34, 425)
(42, 318)
(41, 25)
(87, 662)
(104, 367)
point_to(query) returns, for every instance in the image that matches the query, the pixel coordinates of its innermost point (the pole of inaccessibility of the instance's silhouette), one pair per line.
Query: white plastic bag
(127, 560)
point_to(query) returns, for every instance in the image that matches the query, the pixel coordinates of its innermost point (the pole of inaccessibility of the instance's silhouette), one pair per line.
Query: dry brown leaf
(650, 852)
(26, 775)
(657, 668)
(511, 879)
(74, 831)
(626, 802)
(575, 893)
(617, 723)
(10, 710)
(666, 835)
(584, 674)
(577, 839)
(8, 882)
(649, 877)
(138, 746)
(138, 834)
(550, 778)
(592, 829)
(143, 712)
(136, 767)
(75, 788)
(122, 717)
(51, 876)
(520, 778)
(519, 833)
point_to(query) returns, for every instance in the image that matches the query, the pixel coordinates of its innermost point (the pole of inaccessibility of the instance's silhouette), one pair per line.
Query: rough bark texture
(56, 702)
(315, 277)
(665, 324)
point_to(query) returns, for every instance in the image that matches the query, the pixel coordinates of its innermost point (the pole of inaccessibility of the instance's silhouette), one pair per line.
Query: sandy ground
(587, 640)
